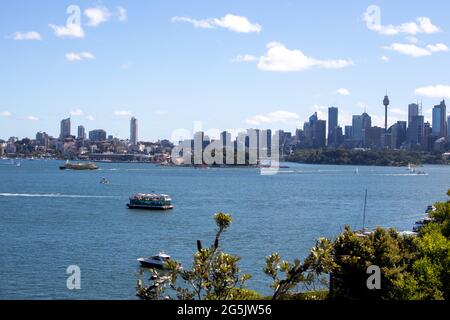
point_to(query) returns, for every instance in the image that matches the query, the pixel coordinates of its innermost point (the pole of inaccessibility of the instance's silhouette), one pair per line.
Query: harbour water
(50, 219)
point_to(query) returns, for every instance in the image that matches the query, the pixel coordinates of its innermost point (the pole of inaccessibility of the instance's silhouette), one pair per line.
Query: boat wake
(52, 195)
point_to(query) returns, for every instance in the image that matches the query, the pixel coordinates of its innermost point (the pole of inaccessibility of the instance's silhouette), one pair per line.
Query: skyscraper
(360, 124)
(65, 128)
(413, 110)
(439, 128)
(332, 124)
(416, 130)
(81, 133)
(319, 132)
(133, 131)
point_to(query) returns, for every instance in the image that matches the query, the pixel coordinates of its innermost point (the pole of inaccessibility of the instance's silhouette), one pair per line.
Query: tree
(214, 274)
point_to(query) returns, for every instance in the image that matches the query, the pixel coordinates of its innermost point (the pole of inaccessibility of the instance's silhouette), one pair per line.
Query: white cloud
(385, 58)
(125, 66)
(343, 92)
(437, 91)
(122, 113)
(76, 112)
(437, 47)
(409, 49)
(90, 118)
(33, 118)
(416, 51)
(279, 116)
(420, 25)
(244, 58)
(30, 36)
(203, 24)
(412, 39)
(281, 59)
(5, 114)
(122, 14)
(69, 31)
(97, 15)
(229, 21)
(73, 56)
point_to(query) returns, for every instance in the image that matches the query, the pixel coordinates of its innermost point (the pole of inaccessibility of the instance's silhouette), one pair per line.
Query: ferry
(156, 261)
(78, 166)
(150, 202)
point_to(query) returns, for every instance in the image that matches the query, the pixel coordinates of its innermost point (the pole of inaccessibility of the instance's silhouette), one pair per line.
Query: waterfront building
(81, 133)
(133, 131)
(97, 135)
(42, 139)
(65, 129)
(439, 120)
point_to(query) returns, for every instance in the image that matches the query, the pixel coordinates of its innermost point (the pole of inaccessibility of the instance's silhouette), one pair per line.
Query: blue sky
(170, 63)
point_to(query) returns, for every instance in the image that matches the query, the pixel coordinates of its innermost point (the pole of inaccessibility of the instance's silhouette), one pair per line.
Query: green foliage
(365, 157)
(412, 268)
(214, 274)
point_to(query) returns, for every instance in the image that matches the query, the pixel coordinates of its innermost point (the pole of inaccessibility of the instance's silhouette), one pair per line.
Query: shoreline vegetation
(361, 157)
(413, 266)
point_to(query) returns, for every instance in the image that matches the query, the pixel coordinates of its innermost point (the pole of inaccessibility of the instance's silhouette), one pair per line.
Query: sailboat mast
(364, 212)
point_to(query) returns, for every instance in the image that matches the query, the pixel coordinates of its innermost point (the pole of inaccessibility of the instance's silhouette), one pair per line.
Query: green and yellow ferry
(150, 202)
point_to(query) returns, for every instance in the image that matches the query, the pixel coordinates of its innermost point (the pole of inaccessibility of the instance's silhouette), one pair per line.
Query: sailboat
(364, 232)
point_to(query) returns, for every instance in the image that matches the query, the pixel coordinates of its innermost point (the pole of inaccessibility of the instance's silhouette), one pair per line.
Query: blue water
(50, 219)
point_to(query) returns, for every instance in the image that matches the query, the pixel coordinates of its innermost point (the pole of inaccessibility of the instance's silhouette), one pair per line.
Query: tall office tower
(332, 124)
(319, 134)
(439, 120)
(413, 110)
(386, 104)
(416, 130)
(348, 132)
(65, 128)
(359, 125)
(133, 131)
(81, 133)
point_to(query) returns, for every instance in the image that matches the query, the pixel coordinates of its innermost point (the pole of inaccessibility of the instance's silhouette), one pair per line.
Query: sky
(182, 66)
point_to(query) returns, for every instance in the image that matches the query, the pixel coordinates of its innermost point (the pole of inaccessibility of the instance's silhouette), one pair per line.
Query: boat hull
(155, 208)
(147, 264)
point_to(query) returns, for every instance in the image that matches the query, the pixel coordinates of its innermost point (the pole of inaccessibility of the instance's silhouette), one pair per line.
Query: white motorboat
(156, 261)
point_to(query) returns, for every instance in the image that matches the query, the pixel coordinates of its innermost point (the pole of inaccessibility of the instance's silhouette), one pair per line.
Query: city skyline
(228, 66)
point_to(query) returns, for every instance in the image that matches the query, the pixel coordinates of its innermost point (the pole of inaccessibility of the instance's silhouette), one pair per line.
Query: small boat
(156, 261)
(150, 202)
(78, 166)
(421, 223)
(104, 181)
